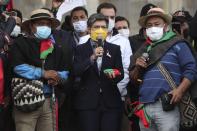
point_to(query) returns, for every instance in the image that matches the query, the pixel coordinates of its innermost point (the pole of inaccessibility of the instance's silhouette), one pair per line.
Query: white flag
(67, 6)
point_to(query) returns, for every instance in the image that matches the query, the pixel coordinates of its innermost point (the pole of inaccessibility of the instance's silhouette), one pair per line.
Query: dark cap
(146, 8)
(182, 16)
(96, 17)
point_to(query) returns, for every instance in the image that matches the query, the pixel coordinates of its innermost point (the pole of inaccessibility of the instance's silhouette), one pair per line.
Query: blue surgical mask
(42, 32)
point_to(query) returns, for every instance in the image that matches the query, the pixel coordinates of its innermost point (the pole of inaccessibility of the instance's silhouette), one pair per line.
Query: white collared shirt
(126, 52)
(83, 39)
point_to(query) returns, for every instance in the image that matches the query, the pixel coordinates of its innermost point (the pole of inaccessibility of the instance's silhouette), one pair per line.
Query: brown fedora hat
(40, 14)
(155, 12)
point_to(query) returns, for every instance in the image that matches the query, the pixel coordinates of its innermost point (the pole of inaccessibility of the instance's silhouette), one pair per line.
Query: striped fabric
(179, 62)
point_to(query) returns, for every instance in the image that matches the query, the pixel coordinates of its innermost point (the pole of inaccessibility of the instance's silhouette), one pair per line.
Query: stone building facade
(128, 8)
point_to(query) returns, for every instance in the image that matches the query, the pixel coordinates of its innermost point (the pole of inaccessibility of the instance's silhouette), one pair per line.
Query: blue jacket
(179, 61)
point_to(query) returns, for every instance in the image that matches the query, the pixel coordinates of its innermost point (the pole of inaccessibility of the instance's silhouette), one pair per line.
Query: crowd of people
(85, 73)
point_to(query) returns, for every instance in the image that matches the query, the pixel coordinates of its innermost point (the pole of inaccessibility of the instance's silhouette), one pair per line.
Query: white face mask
(111, 25)
(16, 31)
(80, 26)
(124, 32)
(154, 33)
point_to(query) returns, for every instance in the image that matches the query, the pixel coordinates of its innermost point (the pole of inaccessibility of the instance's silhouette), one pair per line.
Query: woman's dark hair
(106, 5)
(79, 8)
(96, 17)
(121, 18)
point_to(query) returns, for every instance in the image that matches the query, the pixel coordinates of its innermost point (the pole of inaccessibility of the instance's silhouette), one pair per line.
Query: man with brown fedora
(159, 110)
(41, 55)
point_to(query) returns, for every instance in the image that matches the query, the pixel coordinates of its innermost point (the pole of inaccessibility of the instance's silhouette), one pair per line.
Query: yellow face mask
(98, 33)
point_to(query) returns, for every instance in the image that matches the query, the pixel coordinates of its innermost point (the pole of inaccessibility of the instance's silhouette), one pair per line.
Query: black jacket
(87, 95)
(136, 41)
(26, 50)
(7, 75)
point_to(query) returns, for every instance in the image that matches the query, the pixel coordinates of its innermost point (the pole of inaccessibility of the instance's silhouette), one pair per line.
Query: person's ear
(89, 30)
(166, 27)
(144, 31)
(32, 27)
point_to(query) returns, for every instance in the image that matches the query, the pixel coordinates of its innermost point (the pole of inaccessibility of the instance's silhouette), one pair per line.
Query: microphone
(141, 70)
(100, 41)
(145, 55)
(100, 44)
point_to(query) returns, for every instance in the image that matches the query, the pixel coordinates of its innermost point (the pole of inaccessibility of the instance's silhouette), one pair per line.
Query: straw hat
(155, 12)
(41, 14)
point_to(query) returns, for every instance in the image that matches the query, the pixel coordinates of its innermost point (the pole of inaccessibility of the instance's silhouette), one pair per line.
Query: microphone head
(100, 40)
(145, 55)
(99, 37)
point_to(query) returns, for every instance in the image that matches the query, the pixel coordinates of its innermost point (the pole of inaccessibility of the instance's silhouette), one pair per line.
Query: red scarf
(1, 82)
